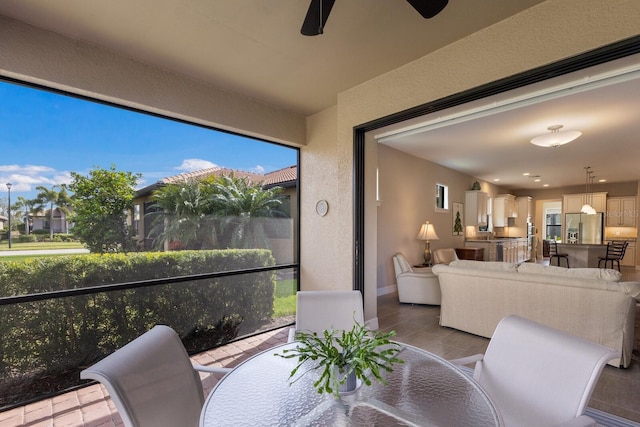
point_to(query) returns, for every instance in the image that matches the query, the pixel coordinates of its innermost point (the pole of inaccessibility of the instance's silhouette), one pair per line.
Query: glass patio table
(425, 390)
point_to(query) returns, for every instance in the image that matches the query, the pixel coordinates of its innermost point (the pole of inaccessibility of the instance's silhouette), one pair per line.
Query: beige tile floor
(617, 392)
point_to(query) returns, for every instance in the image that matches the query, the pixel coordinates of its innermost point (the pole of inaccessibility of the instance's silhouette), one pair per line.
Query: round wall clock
(322, 207)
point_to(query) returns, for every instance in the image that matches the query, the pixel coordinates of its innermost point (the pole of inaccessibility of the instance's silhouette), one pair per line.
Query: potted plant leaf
(343, 357)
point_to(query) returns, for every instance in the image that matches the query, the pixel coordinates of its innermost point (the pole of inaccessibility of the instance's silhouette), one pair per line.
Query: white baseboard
(387, 290)
(373, 324)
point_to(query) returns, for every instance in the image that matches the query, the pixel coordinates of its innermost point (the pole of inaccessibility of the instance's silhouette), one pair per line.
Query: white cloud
(62, 178)
(25, 178)
(258, 169)
(26, 169)
(191, 165)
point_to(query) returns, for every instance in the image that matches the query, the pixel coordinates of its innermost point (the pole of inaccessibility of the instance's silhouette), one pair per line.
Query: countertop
(581, 244)
(495, 239)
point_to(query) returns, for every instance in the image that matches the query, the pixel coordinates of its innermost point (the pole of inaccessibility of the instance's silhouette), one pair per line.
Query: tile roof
(285, 177)
(281, 176)
(215, 171)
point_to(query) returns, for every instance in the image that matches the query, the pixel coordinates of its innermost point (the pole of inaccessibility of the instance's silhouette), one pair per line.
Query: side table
(474, 254)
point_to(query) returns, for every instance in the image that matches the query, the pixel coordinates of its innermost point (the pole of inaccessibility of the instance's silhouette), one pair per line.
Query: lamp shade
(556, 137)
(427, 232)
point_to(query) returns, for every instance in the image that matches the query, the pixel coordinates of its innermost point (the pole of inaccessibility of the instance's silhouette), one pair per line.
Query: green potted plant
(344, 357)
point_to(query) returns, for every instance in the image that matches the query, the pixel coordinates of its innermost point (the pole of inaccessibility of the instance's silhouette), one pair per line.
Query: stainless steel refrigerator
(583, 228)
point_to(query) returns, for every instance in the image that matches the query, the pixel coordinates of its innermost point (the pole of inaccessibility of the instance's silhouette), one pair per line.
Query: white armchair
(415, 287)
(539, 376)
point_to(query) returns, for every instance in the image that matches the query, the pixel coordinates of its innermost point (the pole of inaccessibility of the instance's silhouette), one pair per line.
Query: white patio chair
(320, 310)
(152, 382)
(539, 376)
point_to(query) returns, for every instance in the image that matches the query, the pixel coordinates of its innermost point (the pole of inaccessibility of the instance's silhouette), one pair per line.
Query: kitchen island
(506, 249)
(582, 255)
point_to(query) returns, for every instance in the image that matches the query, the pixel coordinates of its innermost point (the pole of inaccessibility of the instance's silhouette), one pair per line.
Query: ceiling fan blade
(312, 25)
(428, 8)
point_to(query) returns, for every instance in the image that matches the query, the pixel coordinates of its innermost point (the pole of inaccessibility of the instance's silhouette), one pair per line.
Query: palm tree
(240, 204)
(54, 198)
(184, 215)
(29, 207)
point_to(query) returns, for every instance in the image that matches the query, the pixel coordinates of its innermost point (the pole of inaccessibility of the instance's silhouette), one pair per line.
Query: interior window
(442, 197)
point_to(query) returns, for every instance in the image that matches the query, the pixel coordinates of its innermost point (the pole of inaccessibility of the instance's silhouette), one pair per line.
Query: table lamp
(426, 233)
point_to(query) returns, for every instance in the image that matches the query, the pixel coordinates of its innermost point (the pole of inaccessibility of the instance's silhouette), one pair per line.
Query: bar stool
(553, 253)
(615, 253)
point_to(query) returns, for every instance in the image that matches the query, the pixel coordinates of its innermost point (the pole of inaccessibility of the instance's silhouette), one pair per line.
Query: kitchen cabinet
(629, 258)
(504, 206)
(572, 203)
(515, 250)
(507, 250)
(475, 208)
(621, 212)
(524, 206)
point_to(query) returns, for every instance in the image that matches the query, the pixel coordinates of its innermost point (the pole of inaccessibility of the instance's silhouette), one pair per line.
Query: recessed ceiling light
(602, 180)
(526, 174)
(537, 180)
(545, 185)
(496, 179)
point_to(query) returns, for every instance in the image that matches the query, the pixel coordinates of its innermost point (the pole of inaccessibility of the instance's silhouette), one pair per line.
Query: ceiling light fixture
(587, 208)
(556, 137)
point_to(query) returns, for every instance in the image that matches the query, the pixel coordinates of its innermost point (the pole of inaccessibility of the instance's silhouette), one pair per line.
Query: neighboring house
(280, 235)
(3, 222)
(60, 224)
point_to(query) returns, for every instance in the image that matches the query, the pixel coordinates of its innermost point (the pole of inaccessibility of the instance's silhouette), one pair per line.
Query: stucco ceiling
(254, 47)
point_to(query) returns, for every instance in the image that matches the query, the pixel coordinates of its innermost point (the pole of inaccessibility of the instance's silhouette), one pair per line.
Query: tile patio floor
(92, 407)
(617, 392)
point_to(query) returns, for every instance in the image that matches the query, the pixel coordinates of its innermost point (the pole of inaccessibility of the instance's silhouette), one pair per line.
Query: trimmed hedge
(65, 335)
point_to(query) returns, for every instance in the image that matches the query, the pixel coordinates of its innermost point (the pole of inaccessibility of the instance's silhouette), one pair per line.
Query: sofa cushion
(585, 273)
(485, 265)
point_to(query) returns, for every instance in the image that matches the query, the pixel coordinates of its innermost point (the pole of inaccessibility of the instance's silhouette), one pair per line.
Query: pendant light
(587, 208)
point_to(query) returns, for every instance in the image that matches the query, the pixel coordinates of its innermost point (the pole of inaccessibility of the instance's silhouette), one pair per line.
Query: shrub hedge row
(62, 336)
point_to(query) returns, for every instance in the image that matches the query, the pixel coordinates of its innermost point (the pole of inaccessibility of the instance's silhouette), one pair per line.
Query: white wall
(407, 190)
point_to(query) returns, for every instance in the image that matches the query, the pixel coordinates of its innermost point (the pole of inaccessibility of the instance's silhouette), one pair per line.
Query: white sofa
(588, 302)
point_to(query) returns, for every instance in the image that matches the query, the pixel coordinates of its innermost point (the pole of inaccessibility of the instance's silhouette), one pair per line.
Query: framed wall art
(457, 214)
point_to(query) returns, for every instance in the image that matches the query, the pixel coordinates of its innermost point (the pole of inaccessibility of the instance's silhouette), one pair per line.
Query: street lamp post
(8, 184)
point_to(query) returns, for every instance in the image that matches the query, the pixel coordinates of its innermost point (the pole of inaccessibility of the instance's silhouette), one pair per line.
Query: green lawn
(284, 303)
(15, 246)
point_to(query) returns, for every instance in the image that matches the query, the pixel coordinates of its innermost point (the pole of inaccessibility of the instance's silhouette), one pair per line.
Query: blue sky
(44, 136)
